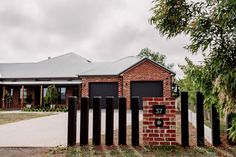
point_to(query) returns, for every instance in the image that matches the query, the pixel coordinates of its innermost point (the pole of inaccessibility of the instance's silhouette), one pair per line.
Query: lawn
(129, 151)
(15, 117)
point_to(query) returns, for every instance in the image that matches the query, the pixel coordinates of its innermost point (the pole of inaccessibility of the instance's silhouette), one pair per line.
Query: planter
(52, 106)
(28, 105)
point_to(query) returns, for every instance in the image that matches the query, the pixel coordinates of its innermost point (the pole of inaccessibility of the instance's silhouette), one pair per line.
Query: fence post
(215, 125)
(184, 120)
(84, 120)
(200, 119)
(135, 120)
(109, 120)
(122, 121)
(72, 117)
(97, 120)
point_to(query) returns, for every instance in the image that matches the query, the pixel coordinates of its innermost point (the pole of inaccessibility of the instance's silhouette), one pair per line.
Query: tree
(211, 26)
(155, 56)
(51, 95)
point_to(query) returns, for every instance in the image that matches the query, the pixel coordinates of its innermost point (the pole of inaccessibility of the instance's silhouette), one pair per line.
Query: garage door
(104, 90)
(146, 89)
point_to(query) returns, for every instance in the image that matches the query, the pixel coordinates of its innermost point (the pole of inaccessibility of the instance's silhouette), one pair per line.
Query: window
(11, 92)
(76, 91)
(61, 95)
(44, 92)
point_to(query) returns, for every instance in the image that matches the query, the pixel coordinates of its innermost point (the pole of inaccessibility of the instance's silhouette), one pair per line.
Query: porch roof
(74, 82)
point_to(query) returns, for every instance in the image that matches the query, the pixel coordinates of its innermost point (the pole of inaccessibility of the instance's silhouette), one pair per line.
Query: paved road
(48, 131)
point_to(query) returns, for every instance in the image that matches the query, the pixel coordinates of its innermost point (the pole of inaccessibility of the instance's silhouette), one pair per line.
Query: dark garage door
(103, 90)
(146, 89)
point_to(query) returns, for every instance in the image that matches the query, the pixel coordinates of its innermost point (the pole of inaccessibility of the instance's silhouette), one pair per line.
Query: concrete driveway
(48, 131)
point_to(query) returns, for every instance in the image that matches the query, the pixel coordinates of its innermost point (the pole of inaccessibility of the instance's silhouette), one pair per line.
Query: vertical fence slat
(97, 120)
(72, 117)
(135, 120)
(122, 121)
(84, 120)
(200, 119)
(215, 125)
(184, 120)
(109, 137)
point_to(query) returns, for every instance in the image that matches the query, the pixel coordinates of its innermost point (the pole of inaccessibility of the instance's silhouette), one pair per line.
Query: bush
(51, 95)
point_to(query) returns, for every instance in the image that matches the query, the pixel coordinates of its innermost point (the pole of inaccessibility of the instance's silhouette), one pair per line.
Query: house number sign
(159, 109)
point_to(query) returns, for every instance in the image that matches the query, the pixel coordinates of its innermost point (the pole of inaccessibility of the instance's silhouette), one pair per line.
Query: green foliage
(211, 26)
(225, 86)
(232, 130)
(155, 56)
(51, 95)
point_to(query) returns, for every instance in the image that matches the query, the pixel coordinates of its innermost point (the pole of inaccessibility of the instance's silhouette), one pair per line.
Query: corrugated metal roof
(111, 68)
(66, 66)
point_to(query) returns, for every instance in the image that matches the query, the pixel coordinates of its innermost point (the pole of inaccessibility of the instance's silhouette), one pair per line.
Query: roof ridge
(19, 63)
(66, 54)
(124, 58)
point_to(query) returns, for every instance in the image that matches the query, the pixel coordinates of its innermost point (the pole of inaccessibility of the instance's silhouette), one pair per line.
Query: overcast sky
(99, 30)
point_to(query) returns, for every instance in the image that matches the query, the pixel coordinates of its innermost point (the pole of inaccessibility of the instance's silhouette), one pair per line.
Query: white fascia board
(40, 82)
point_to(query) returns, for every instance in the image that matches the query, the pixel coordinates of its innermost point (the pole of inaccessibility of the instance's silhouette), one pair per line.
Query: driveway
(48, 131)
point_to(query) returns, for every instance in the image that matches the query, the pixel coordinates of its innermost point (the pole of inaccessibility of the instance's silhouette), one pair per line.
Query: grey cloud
(98, 30)
(76, 19)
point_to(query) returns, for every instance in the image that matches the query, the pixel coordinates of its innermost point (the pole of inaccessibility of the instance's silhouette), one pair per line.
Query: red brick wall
(144, 71)
(69, 92)
(153, 135)
(16, 97)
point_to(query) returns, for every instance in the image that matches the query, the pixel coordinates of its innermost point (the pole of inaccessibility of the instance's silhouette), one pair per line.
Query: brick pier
(159, 135)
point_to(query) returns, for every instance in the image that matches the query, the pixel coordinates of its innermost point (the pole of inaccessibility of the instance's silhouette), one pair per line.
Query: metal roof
(69, 65)
(75, 82)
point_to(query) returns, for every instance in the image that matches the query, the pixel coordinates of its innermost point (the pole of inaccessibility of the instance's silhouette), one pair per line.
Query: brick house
(74, 75)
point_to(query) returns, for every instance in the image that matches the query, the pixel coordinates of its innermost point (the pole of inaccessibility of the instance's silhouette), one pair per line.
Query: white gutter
(41, 82)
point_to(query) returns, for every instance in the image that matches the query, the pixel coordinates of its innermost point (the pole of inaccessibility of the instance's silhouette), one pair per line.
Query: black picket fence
(215, 122)
(109, 125)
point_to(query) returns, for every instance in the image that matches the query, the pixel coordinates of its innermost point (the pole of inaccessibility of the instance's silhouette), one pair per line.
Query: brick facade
(69, 92)
(144, 71)
(16, 98)
(153, 135)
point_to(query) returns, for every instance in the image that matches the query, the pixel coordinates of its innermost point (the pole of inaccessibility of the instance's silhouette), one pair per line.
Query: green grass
(15, 117)
(128, 151)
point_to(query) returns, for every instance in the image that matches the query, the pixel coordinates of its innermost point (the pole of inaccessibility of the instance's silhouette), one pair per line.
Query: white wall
(207, 131)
